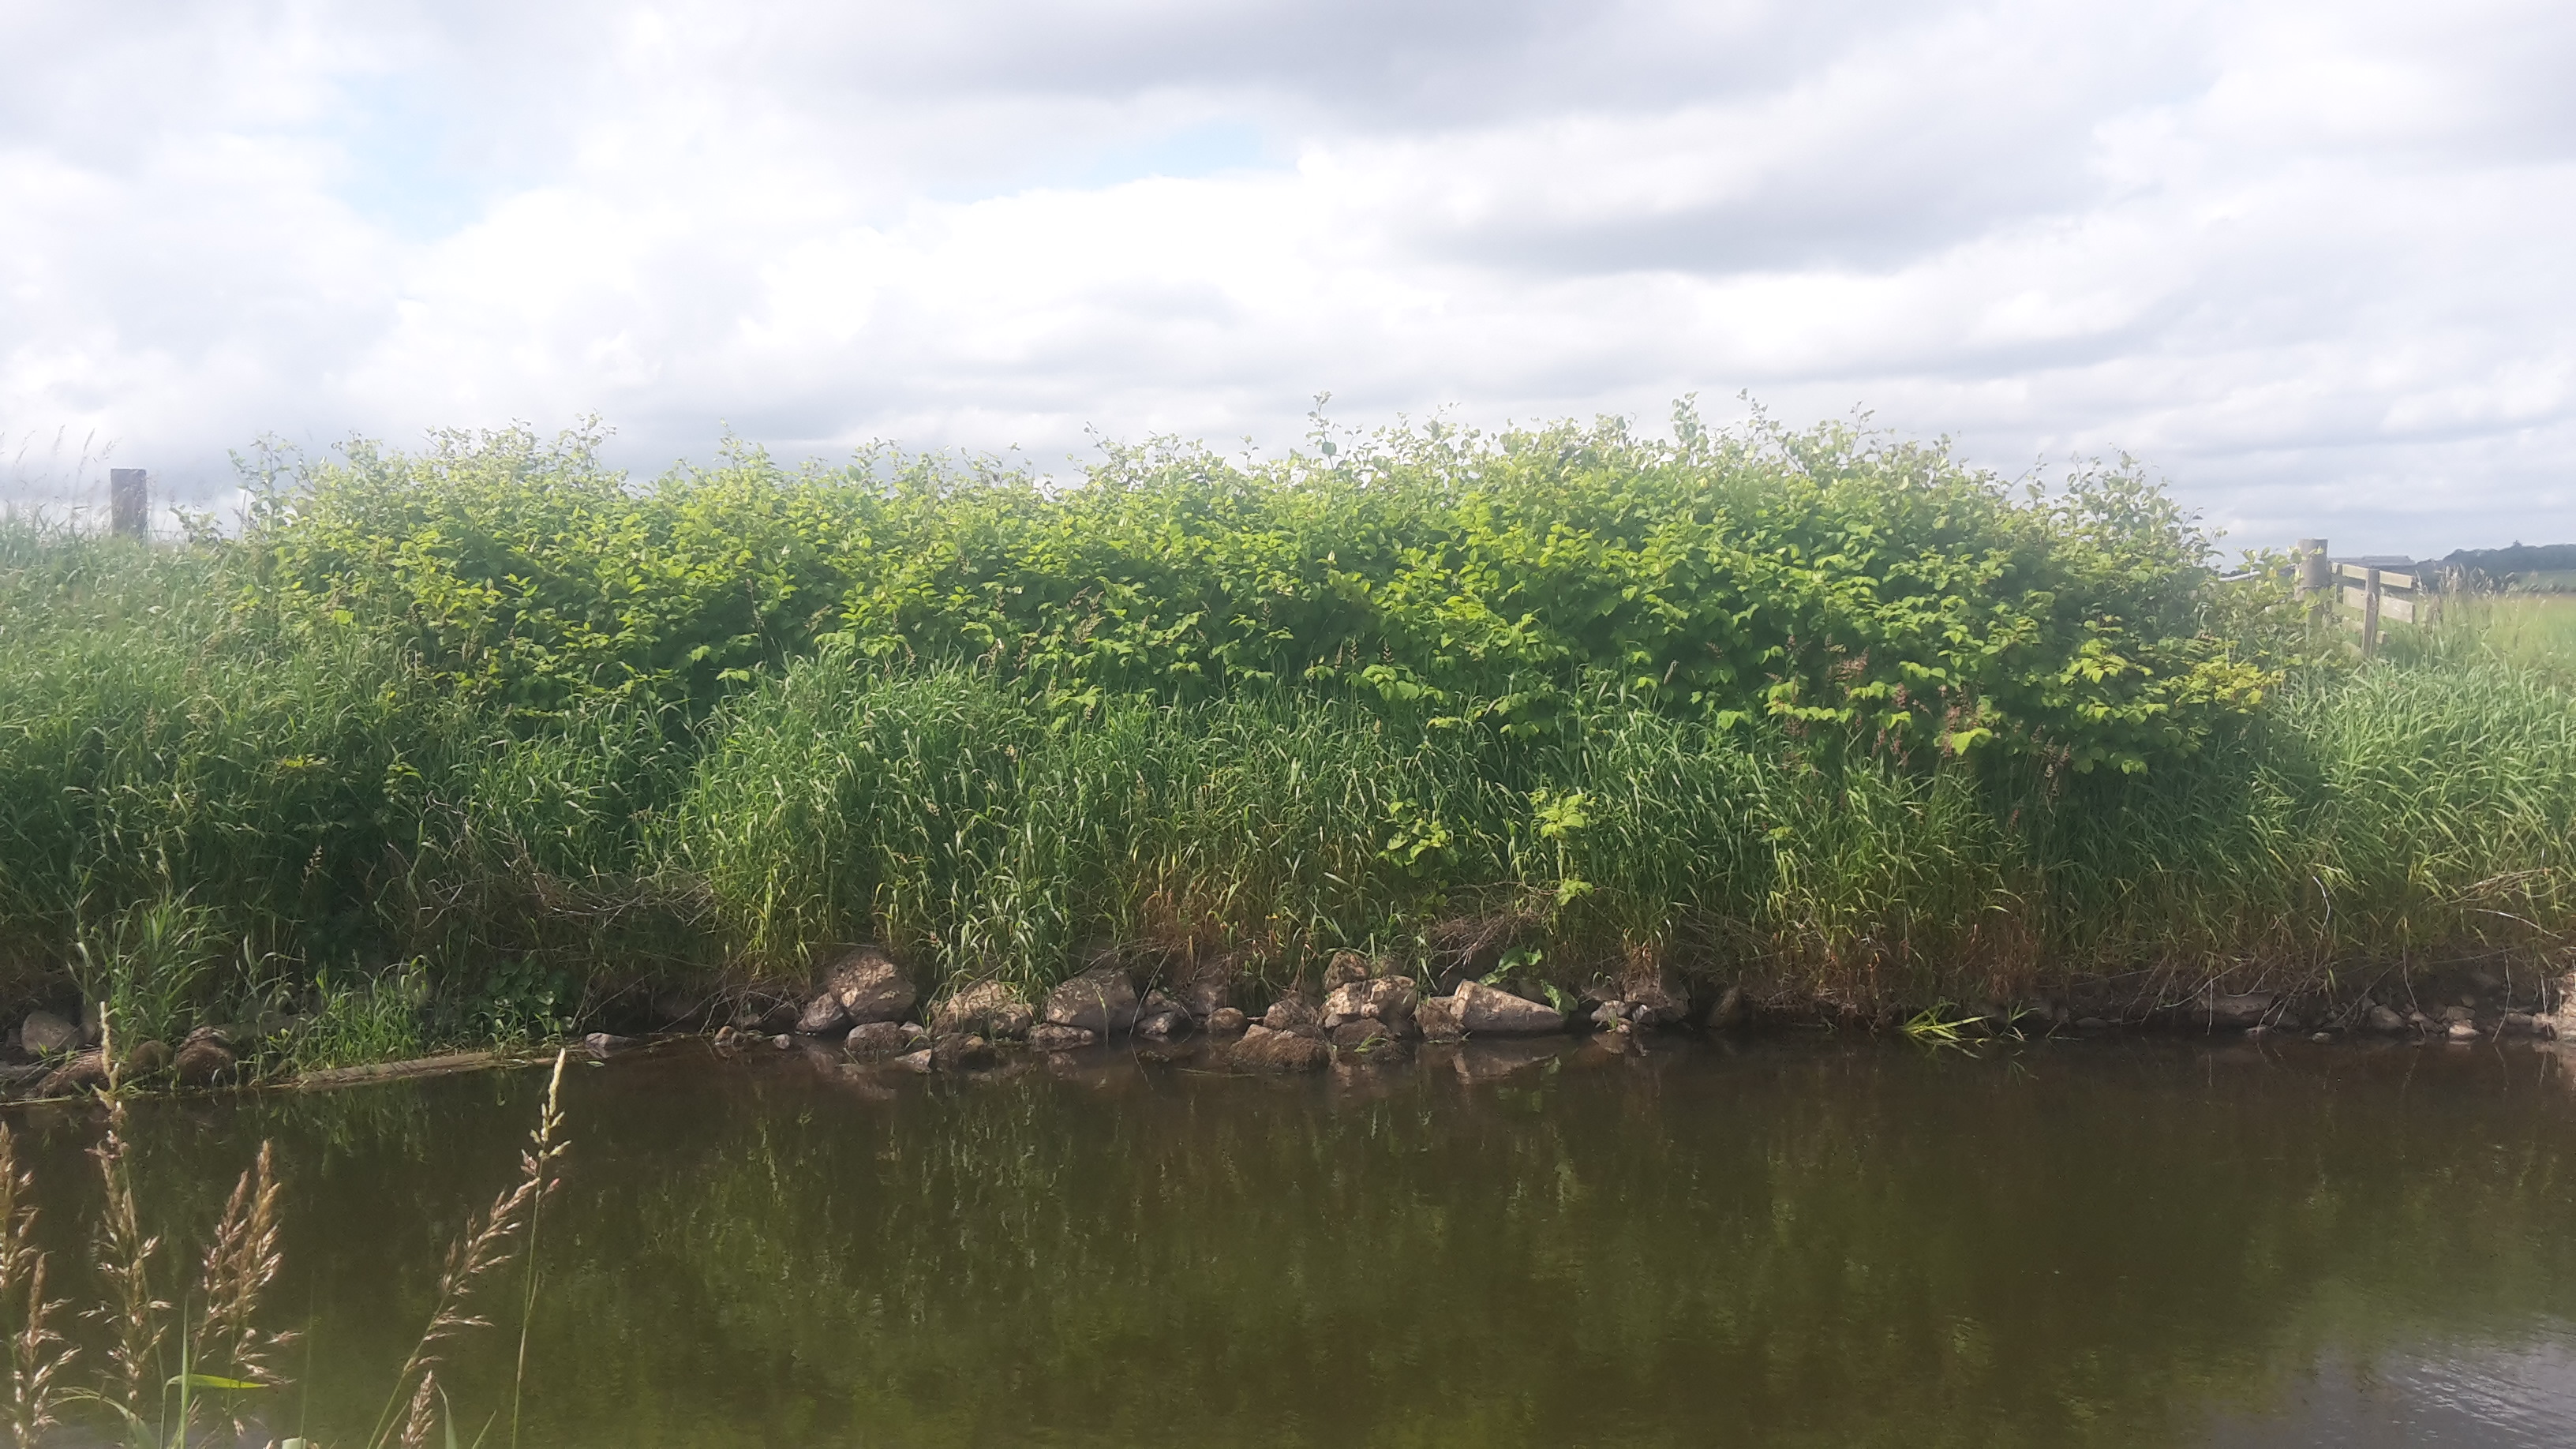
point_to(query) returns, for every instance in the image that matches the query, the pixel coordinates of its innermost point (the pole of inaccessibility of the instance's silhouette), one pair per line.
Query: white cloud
(2304, 258)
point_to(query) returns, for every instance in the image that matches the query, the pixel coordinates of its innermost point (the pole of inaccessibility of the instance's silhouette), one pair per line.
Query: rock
(2560, 1020)
(1484, 1011)
(2518, 1023)
(1437, 1019)
(1226, 1021)
(1207, 989)
(1609, 1016)
(2321, 1037)
(1264, 1050)
(765, 1016)
(955, 1053)
(1046, 1036)
(201, 1062)
(1100, 1000)
(85, 1072)
(1290, 1012)
(1345, 968)
(2381, 1019)
(823, 1016)
(987, 1008)
(2458, 1014)
(2242, 1010)
(44, 1034)
(782, 1041)
(600, 1043)
(920, 1061)
(2091, 1023)
(93, 1021)
(1655, 996)
(869, 987)
(1390, 999)
(1732, 1011)
(1162, 1025)
(876, 1039)
(147, 1058)
(2461, 1031)
(1363, 1033)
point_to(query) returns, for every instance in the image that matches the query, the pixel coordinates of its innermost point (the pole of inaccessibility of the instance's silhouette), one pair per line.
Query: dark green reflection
(1796, 1244)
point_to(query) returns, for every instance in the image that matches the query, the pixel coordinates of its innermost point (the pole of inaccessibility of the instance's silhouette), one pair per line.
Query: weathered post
(2315, 575)
(2370, 615)
(129, 503)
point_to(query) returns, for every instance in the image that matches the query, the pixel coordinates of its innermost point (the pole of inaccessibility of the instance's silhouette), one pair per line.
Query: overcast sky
(2309, 260)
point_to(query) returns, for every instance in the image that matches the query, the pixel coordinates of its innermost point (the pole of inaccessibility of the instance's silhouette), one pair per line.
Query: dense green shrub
(1832, 579)
(471, 737)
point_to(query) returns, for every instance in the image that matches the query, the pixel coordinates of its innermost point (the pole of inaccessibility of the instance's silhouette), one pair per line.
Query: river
(1797, 1241)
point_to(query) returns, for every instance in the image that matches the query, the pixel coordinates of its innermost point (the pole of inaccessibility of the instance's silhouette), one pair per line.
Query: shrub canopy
(1830, 580)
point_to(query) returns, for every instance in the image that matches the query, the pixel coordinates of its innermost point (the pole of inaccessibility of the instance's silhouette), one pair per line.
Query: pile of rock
(867, 1003)
(67, 1058)
(2469, 1016)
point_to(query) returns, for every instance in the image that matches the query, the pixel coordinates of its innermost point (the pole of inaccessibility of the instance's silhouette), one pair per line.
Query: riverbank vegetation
(469, 743)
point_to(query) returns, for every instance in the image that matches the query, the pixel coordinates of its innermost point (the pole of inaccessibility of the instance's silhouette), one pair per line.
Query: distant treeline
(2547, 567)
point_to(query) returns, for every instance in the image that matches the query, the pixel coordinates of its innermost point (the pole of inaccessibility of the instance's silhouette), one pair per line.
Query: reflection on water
(1798, 1243)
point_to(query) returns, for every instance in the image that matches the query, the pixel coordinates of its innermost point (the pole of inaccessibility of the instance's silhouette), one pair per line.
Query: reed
(226, 1356)
(38, 1353)
(135, 1323)
(503, 1232)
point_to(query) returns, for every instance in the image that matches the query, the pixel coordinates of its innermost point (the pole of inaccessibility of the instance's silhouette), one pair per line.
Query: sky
(2308, 260)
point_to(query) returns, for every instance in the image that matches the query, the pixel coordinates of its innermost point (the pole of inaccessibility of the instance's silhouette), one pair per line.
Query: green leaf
(210, 1381)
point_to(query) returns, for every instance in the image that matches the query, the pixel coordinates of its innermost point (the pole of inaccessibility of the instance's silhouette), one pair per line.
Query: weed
(226, 1360)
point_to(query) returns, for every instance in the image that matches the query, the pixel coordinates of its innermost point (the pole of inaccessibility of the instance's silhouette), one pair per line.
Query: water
(1794, 1243)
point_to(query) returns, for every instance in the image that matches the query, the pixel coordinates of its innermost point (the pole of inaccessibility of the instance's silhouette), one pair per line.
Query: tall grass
(458, 748)
(2380, 818)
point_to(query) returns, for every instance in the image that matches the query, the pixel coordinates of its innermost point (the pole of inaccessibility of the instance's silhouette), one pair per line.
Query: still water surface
(1793, 1243)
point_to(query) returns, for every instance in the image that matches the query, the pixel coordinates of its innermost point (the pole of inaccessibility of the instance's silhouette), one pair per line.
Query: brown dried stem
(240, 1263)
(36, 1353)
(134, 1318)
(491, 1243)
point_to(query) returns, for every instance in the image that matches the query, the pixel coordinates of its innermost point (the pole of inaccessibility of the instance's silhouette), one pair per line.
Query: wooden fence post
(2370, 616)
(129, 503)
(2316, 575)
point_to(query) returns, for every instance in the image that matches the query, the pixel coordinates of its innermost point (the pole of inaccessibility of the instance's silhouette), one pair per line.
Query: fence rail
(2365, 597)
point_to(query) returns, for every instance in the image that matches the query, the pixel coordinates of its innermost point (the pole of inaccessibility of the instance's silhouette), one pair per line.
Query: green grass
(460, 748)
(2534, 630)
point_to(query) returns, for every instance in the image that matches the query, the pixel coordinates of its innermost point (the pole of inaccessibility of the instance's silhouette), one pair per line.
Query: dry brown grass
(37, 1354)
(491, 1243)
(226, 1348)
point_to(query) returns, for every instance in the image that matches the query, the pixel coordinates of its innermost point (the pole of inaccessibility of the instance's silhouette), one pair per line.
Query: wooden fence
(2365, 597)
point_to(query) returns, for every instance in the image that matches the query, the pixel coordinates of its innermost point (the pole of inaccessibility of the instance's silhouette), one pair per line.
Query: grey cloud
(2306, 258)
